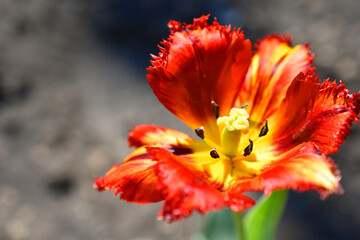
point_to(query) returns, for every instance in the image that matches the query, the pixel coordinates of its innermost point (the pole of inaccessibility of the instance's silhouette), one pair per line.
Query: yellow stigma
(232, 126)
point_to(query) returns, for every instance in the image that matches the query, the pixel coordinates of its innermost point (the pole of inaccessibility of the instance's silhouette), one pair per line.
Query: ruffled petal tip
(318, 112)
(134, 180)
(99, 184)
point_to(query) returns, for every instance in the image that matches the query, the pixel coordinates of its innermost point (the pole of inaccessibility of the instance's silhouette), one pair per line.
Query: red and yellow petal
(200, 63)
(300, 169)
(187, 189)
(321, 113)
(273, 67)
(135, 180)
(147, 134)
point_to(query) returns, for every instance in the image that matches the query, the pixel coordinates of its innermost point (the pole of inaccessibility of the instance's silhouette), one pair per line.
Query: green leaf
(218, 225)
(261, 221)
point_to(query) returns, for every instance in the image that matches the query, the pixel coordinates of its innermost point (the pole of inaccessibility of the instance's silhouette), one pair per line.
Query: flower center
(234, 157)
(231, 127)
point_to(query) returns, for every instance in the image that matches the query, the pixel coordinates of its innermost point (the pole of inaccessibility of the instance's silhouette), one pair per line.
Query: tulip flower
(262, 121)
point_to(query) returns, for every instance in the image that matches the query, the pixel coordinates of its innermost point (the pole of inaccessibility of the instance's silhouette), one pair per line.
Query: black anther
(200, 132)
(264, 130)
(214, 153)
(248, 149)
(215, 108)
(244, 105)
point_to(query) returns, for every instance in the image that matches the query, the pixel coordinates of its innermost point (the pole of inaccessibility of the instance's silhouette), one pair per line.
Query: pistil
(232, 127)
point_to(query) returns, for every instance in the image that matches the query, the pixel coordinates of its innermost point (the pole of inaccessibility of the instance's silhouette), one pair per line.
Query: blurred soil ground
(73, 83)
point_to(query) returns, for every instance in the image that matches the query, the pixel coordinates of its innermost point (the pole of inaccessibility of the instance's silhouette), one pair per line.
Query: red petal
(135, 180)
(273, 67)
(301, 169)
(186, 189)
(155, 135)
(200, 63)
(321, 113)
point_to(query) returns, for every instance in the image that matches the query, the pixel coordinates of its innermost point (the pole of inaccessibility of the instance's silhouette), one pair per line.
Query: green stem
(262, 220)
(239, 225)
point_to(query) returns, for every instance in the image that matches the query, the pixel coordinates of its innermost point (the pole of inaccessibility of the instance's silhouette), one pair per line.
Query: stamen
(214, 153)
(215, 108)
(244, 105)
(249, 148)
(264, 130)
(200, 132)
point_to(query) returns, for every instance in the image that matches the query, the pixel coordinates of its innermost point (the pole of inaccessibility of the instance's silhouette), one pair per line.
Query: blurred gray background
(73, 83)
